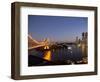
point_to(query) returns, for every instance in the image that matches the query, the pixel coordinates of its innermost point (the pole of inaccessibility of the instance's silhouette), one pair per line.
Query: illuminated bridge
(32, 43)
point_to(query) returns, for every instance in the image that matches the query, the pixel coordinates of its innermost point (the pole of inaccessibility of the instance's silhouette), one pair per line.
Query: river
(72, 53)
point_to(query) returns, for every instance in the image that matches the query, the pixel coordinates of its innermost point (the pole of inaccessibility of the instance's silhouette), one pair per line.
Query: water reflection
(73, 54)
(47, 55)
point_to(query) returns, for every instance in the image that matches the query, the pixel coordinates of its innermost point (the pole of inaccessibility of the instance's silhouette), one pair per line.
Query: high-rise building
(84, 44)
(84, 36)
(77, 40)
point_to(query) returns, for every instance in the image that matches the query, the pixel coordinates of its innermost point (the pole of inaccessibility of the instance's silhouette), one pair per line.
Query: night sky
(56, 28)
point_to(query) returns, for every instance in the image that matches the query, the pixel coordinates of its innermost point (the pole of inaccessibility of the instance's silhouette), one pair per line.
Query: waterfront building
(83, 44)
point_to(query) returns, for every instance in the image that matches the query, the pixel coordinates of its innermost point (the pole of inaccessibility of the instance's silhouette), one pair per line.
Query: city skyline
(56, 28)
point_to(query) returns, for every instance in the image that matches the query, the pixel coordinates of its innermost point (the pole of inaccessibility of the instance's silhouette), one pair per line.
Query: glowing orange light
(47, 55)
(46, 47)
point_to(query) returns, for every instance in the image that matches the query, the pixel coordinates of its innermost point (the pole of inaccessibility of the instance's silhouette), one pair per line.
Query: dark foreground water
(60, 56)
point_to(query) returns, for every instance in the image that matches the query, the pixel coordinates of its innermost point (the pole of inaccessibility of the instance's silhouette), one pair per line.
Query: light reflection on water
(72, 54)
(62, 54)
(47, 55)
